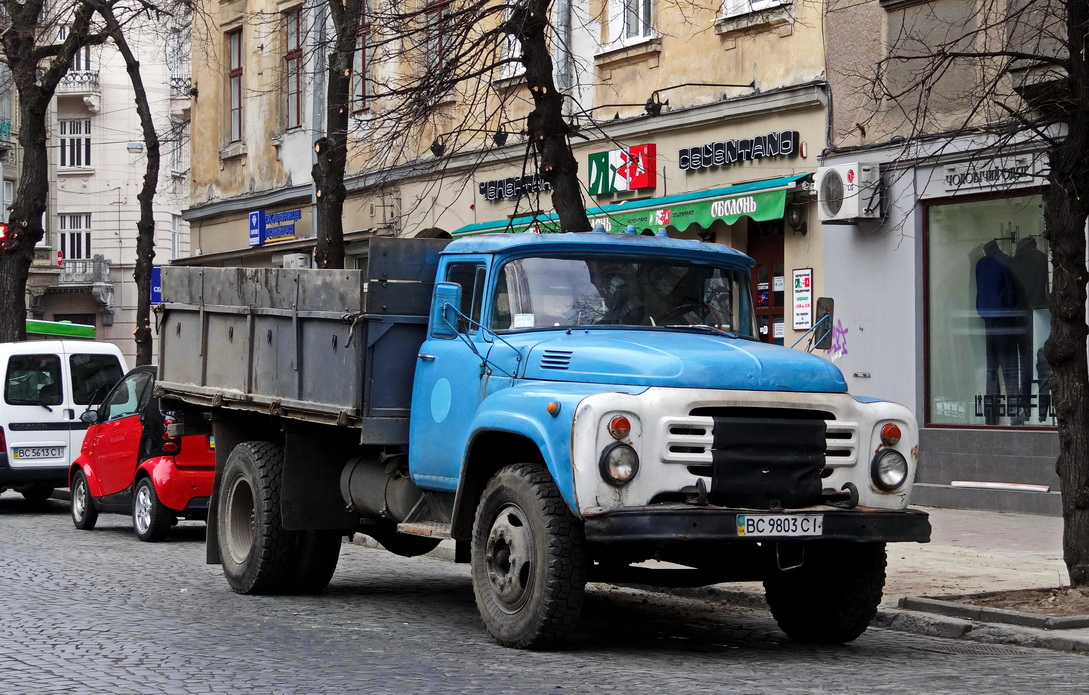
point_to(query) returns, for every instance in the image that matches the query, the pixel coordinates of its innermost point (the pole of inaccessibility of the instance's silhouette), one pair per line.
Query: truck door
(447, 387)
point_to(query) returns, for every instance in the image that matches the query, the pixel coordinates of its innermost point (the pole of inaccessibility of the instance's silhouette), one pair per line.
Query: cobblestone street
(100, 612)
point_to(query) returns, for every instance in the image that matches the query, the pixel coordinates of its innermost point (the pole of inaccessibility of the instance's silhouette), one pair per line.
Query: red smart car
(129, 463)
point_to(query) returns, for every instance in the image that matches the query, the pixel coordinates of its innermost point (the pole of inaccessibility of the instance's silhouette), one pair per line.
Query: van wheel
(528, 559)
(84, 514)
(258, 555)
(37, 493)
(833, 596)
(150, 519)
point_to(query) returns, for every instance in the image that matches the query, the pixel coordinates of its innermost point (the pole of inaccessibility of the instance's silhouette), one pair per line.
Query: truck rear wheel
(833, 596)
(528, 559)
(257, 553)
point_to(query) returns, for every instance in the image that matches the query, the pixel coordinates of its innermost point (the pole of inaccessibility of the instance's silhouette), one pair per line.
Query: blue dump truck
(567, 408)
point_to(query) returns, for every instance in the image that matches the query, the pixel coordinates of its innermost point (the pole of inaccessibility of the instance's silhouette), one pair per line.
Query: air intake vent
(556, 359)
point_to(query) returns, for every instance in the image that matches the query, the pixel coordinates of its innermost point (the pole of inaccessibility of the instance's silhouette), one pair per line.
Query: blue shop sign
(257, 227)
(156, 284)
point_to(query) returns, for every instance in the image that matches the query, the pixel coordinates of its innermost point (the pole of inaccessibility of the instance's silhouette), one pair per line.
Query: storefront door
(768, 283)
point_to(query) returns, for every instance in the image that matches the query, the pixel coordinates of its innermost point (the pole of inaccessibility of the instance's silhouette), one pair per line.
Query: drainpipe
(318, 96)
(563, 52)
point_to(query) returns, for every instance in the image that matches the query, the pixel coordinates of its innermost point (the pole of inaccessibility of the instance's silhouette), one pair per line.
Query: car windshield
(564, 291)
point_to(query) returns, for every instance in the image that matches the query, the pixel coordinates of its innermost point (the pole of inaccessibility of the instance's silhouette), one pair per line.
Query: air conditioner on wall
(848, 192)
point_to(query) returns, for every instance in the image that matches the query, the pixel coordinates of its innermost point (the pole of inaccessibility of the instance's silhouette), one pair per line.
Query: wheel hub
(79, 499)
(509, 556)
(142, 510)
(240, 524)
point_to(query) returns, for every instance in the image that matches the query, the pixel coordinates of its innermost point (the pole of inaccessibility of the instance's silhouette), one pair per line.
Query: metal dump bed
(330, 346)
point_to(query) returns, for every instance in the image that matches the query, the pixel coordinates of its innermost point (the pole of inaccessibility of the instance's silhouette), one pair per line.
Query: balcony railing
(84, 271)
(180, 85)
(79, 82)
(5, 128)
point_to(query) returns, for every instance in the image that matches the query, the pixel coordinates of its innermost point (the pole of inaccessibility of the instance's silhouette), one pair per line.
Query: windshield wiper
(27, 401)
(712, 329)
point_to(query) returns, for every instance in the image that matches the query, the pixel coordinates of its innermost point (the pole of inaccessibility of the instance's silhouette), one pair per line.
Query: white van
(47, 384)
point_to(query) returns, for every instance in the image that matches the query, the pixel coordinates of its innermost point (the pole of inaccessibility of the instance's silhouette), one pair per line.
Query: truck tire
(318, 554)
(833, 596)
(150, 519)
(37, 493)
(258, 555)
(528, 559)
(84, 514)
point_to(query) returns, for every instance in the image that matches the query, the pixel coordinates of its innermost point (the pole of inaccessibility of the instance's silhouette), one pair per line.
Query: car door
(115, 450)
(447, 387)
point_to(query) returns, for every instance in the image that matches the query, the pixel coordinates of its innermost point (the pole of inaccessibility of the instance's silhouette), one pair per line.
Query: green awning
(759, 200)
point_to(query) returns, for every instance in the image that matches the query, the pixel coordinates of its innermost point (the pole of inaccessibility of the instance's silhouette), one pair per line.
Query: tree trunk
(1066, 209)
(145, 237)
(332, 150)
(547, 129)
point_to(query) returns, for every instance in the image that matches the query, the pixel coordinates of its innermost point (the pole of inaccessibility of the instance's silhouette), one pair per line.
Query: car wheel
(84, 514)
(528, 559)
(37, 493)
(258, 555)
(150, 519)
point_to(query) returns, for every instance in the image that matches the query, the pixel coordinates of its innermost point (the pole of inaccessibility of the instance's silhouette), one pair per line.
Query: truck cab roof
(594, 242)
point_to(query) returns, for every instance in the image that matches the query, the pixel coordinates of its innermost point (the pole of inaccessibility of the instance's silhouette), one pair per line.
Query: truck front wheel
(833, 596)
(528, 559)
(256, 552)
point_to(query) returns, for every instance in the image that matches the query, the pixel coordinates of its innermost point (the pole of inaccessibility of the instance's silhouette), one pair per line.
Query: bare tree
(436, 64)
(37, 66)
(1010, 71)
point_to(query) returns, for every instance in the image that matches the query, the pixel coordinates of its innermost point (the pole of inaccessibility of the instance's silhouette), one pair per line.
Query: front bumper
(685, 523)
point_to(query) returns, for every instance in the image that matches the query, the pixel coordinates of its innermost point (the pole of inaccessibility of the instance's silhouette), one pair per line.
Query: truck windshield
(564, 291)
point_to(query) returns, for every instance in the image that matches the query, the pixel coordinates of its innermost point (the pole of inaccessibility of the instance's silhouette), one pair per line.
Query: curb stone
(954, 609)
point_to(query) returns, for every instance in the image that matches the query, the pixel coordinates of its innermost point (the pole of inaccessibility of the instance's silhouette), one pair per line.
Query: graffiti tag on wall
(839, 342)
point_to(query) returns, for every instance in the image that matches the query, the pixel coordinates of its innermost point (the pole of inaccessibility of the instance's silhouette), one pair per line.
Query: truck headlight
(619, 464)
(889, 469)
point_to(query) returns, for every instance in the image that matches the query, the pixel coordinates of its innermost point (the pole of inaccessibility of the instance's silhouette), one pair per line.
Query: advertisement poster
(803, 299)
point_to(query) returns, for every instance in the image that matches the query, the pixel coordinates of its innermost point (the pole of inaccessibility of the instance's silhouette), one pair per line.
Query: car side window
(126, 399)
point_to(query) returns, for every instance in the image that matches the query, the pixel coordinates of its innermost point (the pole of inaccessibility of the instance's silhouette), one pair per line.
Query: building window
(75, 142)
(293, 67)
(988, 277)
(436, 11)
(75, 236)
(638, 16)
(234, 83)
(362, 61)
(512, 53)
(175, 237)
(179, 150)
(735, 8)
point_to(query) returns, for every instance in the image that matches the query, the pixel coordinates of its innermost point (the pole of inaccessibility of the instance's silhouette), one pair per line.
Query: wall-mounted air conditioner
(296, 260)
(848, 192)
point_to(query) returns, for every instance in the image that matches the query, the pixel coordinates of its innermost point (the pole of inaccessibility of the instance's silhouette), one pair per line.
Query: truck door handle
(425, 356)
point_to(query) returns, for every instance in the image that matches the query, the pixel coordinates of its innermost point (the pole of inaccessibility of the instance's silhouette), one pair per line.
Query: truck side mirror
(822, 329)
(444, 310)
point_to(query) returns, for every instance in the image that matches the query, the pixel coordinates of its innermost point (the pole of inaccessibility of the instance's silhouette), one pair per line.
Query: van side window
(33, 380)
(93, 376)
(471, 278)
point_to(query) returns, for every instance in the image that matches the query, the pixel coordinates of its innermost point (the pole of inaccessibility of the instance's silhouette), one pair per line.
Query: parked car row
(61, 397)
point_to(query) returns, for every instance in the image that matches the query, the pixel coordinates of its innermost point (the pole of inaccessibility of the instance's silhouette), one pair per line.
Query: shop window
(988, 277)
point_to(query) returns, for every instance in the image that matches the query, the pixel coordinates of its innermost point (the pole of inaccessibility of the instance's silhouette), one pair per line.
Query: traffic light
(3, 231)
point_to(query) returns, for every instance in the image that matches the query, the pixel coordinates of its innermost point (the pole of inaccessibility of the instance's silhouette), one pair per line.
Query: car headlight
(619, 464)
(889, 469)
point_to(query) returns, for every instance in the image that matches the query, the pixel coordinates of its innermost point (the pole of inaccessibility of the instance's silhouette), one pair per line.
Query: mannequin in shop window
(1005, 326)
(1029, 268)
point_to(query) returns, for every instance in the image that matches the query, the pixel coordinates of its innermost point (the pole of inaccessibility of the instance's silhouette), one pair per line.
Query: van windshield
(93, 375)
(564, 291)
